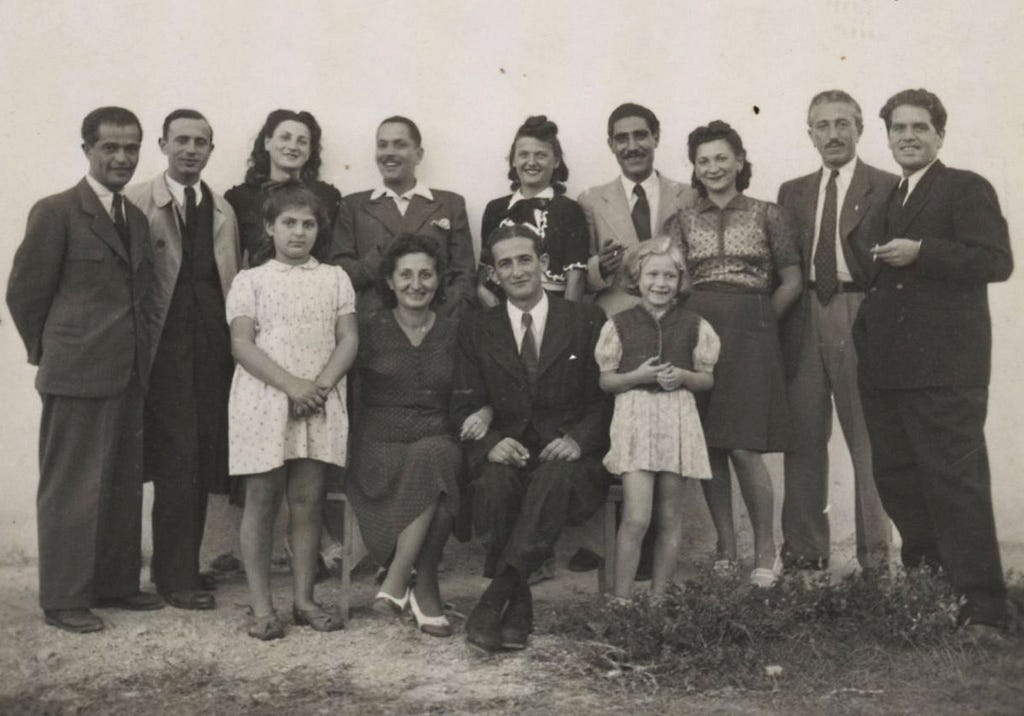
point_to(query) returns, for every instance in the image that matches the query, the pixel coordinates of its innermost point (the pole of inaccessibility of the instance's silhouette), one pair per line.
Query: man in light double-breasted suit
(80, 293)
(631, 208)
(836, 210)
(370, 220)
(194, 235)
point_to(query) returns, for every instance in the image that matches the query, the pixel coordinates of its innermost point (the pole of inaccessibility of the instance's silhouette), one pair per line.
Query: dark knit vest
(672, 338)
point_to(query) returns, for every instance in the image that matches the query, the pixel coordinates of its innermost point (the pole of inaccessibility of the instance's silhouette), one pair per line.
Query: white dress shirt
(913, 179)
(104, 194)
(842, 186)
(402, 200)
(539, 313)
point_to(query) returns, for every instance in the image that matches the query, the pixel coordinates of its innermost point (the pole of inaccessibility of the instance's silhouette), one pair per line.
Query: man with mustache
(631, 208)
(81, 294)
(196, 254)
(835, 209)
(924, 339)
(370, 220)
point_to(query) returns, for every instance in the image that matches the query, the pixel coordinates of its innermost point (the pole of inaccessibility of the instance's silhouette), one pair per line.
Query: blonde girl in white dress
(294, 337)
(653, 357)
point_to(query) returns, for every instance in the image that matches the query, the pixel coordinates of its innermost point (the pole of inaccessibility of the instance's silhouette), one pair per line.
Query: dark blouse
(560, 221)
(247, 201)
(742, 244)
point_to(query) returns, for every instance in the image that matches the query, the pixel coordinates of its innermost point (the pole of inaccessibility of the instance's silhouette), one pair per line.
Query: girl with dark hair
(286, 148)
(742, 256)
(537, 170)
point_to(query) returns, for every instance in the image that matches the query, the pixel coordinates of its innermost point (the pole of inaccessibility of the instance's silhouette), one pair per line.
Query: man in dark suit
(924, 341)
(835, 209)
(80, 294)
(194, 236)
(632, 207)
(370, 220)
(539, 465)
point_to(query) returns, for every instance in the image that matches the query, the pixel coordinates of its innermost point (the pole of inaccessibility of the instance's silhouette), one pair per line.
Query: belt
(842, 287)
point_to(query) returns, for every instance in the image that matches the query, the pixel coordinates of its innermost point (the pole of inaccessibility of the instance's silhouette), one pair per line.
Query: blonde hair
(658, 246)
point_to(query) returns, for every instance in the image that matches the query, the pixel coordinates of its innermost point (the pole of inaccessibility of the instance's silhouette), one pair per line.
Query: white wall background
(469, 73)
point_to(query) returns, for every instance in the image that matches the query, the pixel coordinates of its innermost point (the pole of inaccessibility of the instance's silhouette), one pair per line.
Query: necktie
(825, 281)
(528, 350)
(121, 225)
(901, 193)
(641, 213)
(191, 215)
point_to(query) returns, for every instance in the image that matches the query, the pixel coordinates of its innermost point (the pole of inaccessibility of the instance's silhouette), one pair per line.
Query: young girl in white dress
(653, 357)
(293, 334)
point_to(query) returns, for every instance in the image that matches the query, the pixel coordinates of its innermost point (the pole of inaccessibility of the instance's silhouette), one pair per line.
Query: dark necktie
(121, 225)
(528, 350)
(641, 213)
(901, 193)
(191, 213)
(825, 280)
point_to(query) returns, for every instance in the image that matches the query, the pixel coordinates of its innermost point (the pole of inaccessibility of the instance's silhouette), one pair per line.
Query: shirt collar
(177, 190)
(281, 266)
(104, 194)
(845, 172)
(915, 177)
(650, 184)
(417, 190)
(547, 193)
(539, 313)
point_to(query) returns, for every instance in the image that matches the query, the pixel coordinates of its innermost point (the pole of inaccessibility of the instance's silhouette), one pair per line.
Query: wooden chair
(606, 572)
(348, 533)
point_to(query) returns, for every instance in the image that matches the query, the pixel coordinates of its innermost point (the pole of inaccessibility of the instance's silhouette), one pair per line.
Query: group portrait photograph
(484, 358)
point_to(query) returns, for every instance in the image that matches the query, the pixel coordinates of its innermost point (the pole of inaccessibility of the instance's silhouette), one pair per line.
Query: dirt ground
(182, 662)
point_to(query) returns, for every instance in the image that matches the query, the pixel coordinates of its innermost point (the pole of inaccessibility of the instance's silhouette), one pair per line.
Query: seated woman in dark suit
(287, 147)
(403, 479)
(537, 170)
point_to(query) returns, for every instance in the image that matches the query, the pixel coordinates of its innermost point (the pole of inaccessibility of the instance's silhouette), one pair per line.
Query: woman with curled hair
(537, 170)
(286, 148)
(403, 480)
(742, 256)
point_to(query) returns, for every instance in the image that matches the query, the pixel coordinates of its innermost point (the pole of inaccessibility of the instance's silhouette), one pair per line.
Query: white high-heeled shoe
(766, 578)
(384, 603)
(434, 626)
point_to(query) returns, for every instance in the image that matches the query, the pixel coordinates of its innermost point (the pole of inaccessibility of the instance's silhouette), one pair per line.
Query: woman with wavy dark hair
(537, 170)
(286, 148)
(742, 256)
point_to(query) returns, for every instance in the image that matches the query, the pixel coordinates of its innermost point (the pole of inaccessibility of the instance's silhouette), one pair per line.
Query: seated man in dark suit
(80, 293)
(924, 343)
(538, 467)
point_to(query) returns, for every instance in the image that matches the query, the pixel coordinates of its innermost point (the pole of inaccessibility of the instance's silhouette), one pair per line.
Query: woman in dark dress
(404, 475)
(537, 169)
(286, 148)
(742, 257)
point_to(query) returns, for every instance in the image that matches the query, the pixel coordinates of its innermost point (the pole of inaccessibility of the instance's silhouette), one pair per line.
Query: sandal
(317, 619)
(265, 628)
(387, 605)
(434, 626)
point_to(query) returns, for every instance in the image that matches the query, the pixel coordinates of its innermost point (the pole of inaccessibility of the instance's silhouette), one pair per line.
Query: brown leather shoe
(138, 602)
(190, 599)
(78, 621)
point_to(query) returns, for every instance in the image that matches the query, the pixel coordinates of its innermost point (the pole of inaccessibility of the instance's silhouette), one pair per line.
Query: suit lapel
(618, 215)
(917, 200)
(502, 343)
(557, 334)
(808, 210)
(386, 213)
(420, 209)
(102, 225)
(669, 202)
(855, 204)
(138, 227)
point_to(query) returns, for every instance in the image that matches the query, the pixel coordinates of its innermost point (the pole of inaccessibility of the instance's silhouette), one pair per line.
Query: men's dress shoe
(483, 627)
(207, 581)
(584, 560)
(517, 622)
(226, 563)
(138, 602)
(78, 621)
(190, 599)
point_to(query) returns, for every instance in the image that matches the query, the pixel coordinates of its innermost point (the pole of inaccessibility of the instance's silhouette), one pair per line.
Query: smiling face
(717, 166)
(659, 281)
(398, 154)
(294, 233)
(114, 154)
(832, 127)
(518, 270)
(913, 139)
(289, 148)
(633, 145)
(414, 281)
(534, 162)
(187, 146)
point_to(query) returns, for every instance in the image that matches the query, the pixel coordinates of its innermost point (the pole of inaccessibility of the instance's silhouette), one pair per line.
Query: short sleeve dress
(657, 430)
(295, 309)
(403, 453)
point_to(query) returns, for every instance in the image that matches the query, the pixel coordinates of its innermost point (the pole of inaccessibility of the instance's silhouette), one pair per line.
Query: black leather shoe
(483, 627)
(584, 560)
(78, 621)
(517, 622)
(138, 602)
(207, 581)
(190, 599)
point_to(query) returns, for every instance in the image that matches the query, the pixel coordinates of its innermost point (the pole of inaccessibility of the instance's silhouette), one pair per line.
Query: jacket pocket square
(572, 357)
(443, 224)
